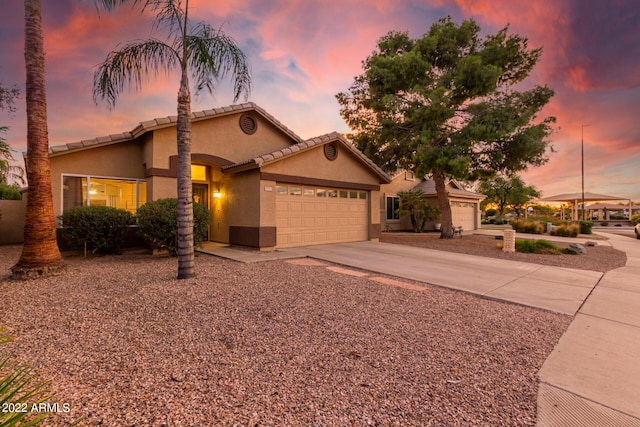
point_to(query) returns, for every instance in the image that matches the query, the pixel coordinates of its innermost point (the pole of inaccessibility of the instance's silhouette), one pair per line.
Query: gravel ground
(272, 344)
(597, 258)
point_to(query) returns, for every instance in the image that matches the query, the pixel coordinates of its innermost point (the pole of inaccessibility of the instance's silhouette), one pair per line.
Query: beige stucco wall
(12, 220)
(399, 183)
(221, 137)
(313, 163)
(123, 160)
(238, 205)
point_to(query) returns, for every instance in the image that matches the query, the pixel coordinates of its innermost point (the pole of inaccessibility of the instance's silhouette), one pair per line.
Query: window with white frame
(122, 193)
(393, 204)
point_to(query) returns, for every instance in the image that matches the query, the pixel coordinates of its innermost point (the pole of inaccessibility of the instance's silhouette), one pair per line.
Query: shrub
(566, 230)
(101, 228)
(585, 227)
(635, 219)
(526, 246)
(526, 226)
(536, 246)
(9, 192)
(158, 223)
(604, 223)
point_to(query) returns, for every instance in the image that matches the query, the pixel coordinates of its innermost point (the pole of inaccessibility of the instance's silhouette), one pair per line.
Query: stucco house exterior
(265, 186)
(465, 205)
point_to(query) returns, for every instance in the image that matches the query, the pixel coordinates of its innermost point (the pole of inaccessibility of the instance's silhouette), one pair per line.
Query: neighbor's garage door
(312, 215)
(464, 214)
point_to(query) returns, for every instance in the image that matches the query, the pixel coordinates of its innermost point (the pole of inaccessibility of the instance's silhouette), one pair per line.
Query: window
(198, 173)
(344, 194)
(281, 190)
(321, 192)
(121, 193)
(332, 193)
(353, 194)
(393, 204)
(295, 191)
(308, 192)
(362, 195)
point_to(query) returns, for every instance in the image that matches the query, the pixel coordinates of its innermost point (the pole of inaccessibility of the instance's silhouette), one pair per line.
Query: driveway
(561, 290)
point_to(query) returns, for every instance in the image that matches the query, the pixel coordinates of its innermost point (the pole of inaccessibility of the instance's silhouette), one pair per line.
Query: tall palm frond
(8, 171)
(213, 56)
(130, 66)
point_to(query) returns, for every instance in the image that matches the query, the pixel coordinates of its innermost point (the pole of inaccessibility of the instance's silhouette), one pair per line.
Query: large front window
(121, 193)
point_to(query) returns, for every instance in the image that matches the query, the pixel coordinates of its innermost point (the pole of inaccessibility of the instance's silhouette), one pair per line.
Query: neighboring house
(265, 186)
(465, 205)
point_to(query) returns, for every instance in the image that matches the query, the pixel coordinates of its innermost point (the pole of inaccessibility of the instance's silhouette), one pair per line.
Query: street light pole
(582, 152)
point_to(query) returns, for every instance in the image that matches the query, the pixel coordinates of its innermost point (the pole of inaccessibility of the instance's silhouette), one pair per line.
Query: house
(265, 186)
(465, 205)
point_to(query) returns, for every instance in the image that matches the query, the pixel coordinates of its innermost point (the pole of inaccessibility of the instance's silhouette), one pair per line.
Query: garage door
(464, 214)
(313, 215)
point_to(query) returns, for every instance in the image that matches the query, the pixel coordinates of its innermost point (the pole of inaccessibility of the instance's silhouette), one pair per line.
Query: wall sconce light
(216, 191)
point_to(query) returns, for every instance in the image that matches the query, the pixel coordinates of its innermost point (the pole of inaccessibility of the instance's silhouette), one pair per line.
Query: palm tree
(206, 54)
(40, 254)
(7, 170)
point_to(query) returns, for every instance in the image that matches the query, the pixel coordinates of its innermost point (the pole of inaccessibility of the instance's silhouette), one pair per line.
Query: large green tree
(446, 105)
(196, 50)
(40, 254)
(507, 191)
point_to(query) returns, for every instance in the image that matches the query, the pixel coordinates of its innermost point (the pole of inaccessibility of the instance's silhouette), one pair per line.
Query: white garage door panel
(464, 214)
(309, 219)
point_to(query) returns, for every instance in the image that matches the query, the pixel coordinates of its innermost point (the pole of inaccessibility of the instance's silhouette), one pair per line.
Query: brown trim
(172, 172)
(375, 231)
(317, 182)
(255, 237)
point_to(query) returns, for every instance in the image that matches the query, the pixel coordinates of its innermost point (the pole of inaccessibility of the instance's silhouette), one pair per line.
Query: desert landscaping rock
(271, 343)
(600, 258)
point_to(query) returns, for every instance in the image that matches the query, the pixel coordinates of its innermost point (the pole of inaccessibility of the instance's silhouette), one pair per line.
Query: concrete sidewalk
(562, 290)
(592, 378)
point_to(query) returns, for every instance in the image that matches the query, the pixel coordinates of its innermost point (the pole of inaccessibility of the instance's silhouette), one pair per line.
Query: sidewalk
(592, 378)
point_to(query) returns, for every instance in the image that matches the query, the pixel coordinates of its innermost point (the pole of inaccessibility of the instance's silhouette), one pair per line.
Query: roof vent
(331, 151)
(248, 124)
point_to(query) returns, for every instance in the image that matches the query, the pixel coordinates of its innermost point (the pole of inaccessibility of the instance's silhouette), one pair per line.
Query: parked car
(637, 230)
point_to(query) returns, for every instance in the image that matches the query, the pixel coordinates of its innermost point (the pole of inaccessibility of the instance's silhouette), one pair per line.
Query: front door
(201, 195)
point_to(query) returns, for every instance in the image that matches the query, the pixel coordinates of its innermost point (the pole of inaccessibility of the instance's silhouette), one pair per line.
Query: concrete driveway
(561, 290)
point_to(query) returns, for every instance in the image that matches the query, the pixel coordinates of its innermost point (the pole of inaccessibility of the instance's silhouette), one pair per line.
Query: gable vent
(248, 124)
(331, 151)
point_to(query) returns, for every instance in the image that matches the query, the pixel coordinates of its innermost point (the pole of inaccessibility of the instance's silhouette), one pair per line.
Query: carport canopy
(574, 199)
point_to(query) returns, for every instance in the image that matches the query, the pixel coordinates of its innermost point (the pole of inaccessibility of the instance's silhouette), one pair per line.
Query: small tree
(415, 204)
(507, 192)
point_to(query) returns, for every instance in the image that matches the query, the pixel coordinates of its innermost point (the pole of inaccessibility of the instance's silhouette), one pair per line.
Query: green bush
(536, 246)
(526, 246)
(101, 228)
(9, 192)
(566, 230)
(604, 223)
(527, 226)
(635, 219)
(585, 227)
(158, 223)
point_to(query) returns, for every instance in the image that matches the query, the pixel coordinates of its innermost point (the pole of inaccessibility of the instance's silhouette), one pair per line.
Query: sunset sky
(303, 52)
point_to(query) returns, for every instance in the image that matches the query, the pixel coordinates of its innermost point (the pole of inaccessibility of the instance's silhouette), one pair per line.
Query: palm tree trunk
(40, 254)
(186, 262)
(446, 232)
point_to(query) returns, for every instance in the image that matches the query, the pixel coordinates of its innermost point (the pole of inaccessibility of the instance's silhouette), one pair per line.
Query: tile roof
(258, 161)
(163, 122)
